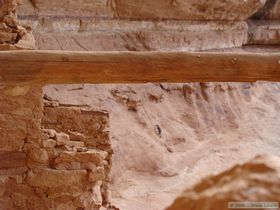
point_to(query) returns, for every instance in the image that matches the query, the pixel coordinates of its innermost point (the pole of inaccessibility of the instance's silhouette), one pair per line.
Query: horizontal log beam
(59, 67)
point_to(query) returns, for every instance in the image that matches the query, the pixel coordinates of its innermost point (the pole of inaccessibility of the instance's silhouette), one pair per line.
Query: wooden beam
(59, 67)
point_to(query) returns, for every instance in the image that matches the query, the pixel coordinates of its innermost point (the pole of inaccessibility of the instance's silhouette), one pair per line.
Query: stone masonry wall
(52, 157)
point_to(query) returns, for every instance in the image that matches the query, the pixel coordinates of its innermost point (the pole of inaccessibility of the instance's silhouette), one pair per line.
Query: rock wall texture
(275, 12)
(147, 9)
(53, 157)
(141, 25)
(264, 27)
(13, 35)
(254, 181)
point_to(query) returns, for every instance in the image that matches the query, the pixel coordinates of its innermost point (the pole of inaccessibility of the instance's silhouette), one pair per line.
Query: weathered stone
(12, 160)
(21, 196)
(61, 138)
(75, 144)
(82, 149)
(7, 37)
(13, 171)
(254, 181)
(53, 152)
(20, 113)
(12, 136)
(76, 136)
(50, 143)
(62, 203)
(274, 13)
(26, 42)
(97, 193)
(51, 103)
(147, 9)
(14, 36)
(69, 160)
(68, 166)
(58, 183)
(88, 201)
(190, 10)
(10, 21)
(143, 35)
(263, 32)
(97, 175)
(92, 124)
(50, 132)
(36, 156)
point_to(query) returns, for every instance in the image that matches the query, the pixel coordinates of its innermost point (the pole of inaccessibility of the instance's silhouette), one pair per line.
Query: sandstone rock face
(124, 35)
(275, 12)
(12, 35)
(254, 181)
(264, 29)
(138, 25)
(190, 10)
(264, 32)
(149, 25)
(271, 11)
(147, 9)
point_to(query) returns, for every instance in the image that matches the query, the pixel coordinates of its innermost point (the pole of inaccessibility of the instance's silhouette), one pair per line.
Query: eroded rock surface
(139, 25)
(275, 12)
(13, 35)
(264, 32)
(147, 9)
(254, 181)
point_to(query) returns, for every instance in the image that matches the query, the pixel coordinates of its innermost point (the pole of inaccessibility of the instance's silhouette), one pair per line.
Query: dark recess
(263, 12)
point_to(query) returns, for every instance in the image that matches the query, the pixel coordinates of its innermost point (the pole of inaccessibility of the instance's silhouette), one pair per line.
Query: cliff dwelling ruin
(139, 104)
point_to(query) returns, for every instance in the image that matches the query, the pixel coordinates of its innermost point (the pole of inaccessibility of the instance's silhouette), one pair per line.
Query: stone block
(49, 143)
(58, 183)
(62, 139)
(12, 160)
(36, 156)
(89, 159)
(97, 174)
